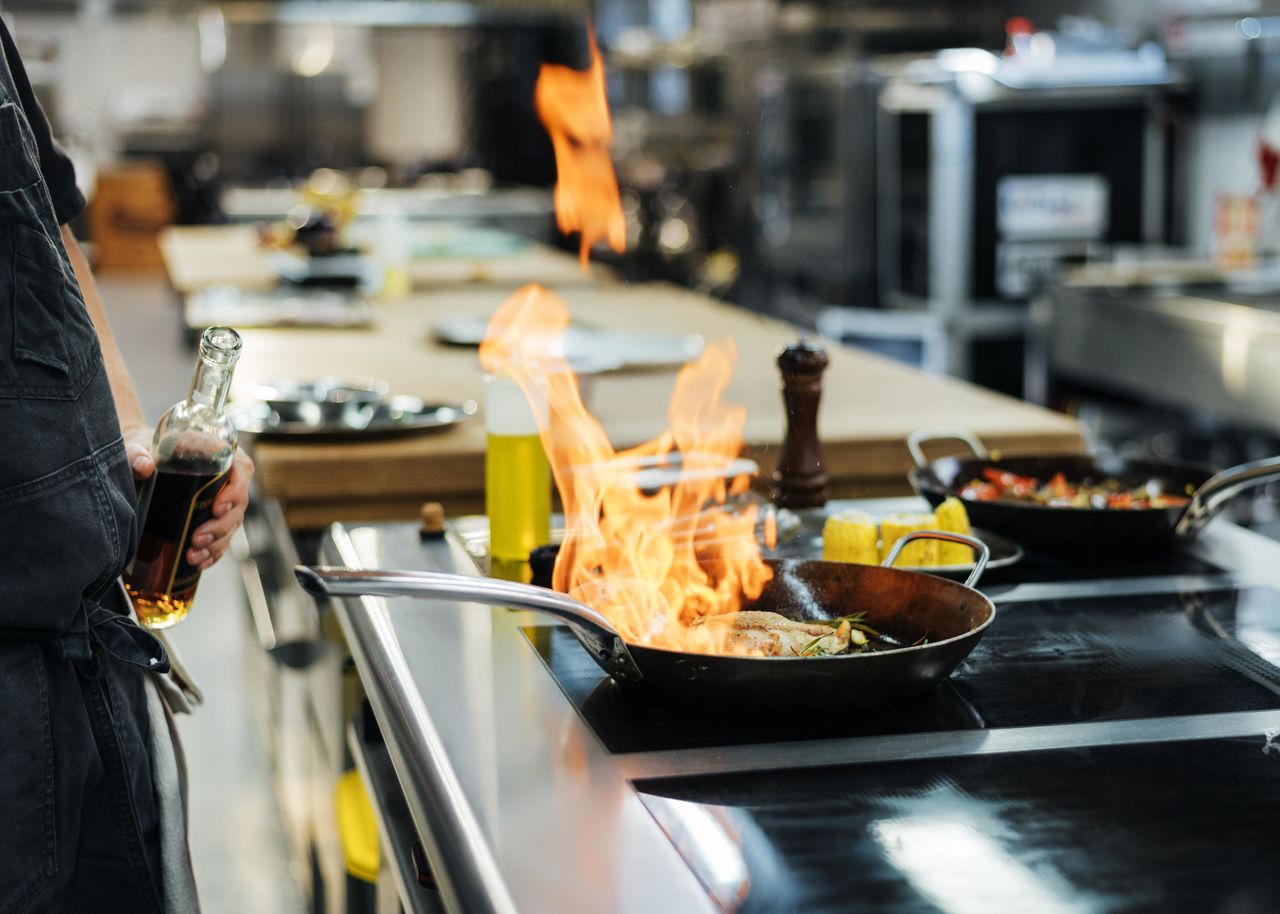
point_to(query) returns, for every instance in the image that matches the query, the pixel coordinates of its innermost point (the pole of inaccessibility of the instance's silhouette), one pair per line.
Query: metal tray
(1004, 552)
(393, 416)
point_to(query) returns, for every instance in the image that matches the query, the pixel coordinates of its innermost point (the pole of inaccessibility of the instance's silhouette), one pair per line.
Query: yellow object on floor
(850, 536)
(357, 827)
(953, 518)
(894, 527)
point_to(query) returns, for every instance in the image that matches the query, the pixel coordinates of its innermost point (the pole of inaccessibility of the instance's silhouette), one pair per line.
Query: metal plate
(394, 416)
(1004, 552)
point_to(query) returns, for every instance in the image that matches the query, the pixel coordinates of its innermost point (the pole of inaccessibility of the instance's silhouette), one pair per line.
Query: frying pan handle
(916, 439)
(979, 548)
(1217, 491)
(592, 628)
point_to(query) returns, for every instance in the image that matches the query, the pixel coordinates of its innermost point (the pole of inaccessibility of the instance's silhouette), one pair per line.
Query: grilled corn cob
(953, 518)
(921, 553)
(850, 536)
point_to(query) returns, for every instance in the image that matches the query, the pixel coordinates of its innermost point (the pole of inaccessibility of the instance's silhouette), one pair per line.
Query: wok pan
(1074, 530)
(907, 605)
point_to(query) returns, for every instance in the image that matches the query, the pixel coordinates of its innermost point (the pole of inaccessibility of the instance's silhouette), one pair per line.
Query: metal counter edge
(465, 869)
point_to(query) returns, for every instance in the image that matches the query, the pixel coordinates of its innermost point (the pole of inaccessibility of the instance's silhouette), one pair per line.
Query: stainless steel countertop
(520, 806)
(1199, 349)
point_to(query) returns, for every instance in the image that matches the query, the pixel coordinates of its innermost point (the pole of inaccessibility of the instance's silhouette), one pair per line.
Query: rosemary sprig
(814, 648)
(835, 622)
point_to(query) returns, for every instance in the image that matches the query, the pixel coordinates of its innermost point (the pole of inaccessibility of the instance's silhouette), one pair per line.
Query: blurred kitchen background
(1071, 201)
(907, 176)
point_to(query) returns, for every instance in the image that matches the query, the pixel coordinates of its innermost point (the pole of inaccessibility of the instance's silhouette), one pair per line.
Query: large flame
(652, 562)
(573, 108)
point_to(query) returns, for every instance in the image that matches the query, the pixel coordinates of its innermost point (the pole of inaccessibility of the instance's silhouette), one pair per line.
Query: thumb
(140, 461)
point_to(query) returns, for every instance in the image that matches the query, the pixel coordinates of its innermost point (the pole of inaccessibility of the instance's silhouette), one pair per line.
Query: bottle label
(200, 510)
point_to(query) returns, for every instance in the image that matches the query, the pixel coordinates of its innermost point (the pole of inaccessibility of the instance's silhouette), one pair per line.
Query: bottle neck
(210, 385)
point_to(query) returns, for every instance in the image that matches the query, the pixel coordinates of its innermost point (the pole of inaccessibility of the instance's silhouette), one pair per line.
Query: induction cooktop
(1060, 831)
(1075, 659)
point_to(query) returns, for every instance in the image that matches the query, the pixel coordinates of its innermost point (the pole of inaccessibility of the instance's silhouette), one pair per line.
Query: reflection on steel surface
(961, 868)
(708, 839)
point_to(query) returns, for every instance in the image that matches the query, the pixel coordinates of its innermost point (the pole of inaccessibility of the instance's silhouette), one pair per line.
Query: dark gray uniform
(79, 826)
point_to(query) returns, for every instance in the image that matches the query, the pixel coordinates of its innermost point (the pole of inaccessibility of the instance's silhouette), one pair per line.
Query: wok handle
(980, 549)
(1209, 499)
(592, 628)
(916, 439)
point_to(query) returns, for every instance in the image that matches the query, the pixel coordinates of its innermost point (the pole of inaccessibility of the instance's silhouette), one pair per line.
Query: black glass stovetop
(1045, 662)
(1158, 827)
(1038, 568)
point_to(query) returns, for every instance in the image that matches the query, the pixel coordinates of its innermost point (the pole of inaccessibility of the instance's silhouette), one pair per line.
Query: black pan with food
(1055, 529)
(927, 626)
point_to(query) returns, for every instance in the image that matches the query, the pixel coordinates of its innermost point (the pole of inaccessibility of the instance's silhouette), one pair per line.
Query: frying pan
(1073, 530)
(908, 605)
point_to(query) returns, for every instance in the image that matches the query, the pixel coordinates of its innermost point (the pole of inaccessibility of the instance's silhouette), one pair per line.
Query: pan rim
(978, 629)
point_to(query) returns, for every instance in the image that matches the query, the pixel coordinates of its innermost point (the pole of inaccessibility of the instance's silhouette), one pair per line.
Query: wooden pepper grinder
(800, 479)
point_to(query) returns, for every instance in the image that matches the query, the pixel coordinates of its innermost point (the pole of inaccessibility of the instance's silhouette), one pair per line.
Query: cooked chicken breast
(772, 635)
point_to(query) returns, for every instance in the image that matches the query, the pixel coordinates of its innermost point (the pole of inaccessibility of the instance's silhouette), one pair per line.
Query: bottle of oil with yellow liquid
(517, 478)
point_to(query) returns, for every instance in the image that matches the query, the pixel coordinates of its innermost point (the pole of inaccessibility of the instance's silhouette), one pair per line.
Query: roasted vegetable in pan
(1057, 492)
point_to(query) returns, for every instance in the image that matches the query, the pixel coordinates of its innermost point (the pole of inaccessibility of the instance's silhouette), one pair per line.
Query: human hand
(137, 448)
(212, 538)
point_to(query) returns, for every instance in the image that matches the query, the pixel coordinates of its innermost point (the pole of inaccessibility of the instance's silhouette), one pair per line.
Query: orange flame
(652, 562)
(573, 108)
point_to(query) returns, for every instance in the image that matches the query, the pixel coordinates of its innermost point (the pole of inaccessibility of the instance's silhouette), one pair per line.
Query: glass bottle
(517, 478)
(193, 448)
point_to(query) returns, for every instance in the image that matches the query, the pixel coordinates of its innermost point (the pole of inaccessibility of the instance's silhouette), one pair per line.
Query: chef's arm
(133, 423)
(211, 540)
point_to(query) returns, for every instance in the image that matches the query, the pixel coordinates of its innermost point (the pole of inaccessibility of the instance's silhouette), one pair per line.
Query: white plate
(591, 348)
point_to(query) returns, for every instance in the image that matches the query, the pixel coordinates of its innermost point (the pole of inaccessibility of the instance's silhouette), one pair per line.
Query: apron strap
(97, 628)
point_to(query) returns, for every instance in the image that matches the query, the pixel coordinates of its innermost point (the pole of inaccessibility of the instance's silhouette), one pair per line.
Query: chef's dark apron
(78, 815)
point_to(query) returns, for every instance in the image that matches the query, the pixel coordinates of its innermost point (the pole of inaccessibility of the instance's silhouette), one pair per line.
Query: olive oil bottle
(517, 476)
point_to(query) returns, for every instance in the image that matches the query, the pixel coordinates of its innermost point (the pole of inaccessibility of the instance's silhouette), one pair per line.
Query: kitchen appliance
(1114, 738)
(813, 176)
(937, 622)
(969, 179)
(994, 171)
(1055, 529)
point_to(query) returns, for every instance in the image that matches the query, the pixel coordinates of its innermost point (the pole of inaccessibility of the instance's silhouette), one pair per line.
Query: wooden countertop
(869, 406)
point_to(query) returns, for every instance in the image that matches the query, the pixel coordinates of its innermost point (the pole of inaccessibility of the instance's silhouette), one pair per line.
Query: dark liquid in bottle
(173, 504)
